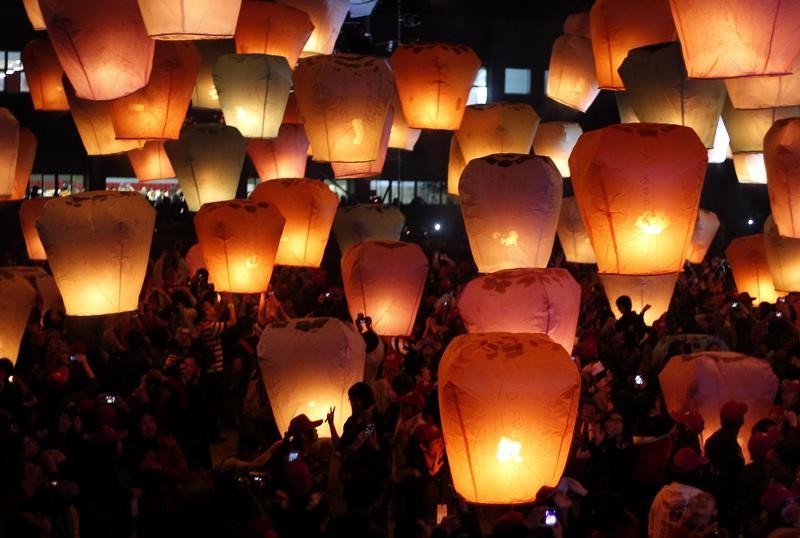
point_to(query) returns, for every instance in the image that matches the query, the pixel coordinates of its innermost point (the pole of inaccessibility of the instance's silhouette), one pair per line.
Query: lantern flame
(508, 239)
(652, 223)
(508, 451)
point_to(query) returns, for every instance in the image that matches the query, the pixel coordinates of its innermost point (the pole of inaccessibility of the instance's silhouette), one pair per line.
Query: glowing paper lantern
(274, 29)
(782, 160)
(41, 281)
(659, 92)
(194, 259)
(307, 365)
(95, 125)
(26, 155)
(190, 19)
(309, 208)
(572, 233)
(239, 239)
(455, 166)
(151, 162)
(638, 187)
(252, 90)
(29, 212)
(555, 139)
(363, 222)
(327, 16)
(704, 231)
(719, 153)
(205, 93)
(17, 297)
(543, 301)
(9, 148)
(497, 128)
(572, 80)
(402, 136)
(44, 73)
(208, 160)
(750, 168)
(433, 81)
(103, 47)
(284, 156)
(655, 290)
(748, 259)
(343, 102)
(508, 405)
(578, 24)
(747, 128)
(626, 113)
(34, 13)
(765, 92)
(737, 38)
(619, 26)
(384, 280)
(367, 169)
(97, 245)
(783, 257)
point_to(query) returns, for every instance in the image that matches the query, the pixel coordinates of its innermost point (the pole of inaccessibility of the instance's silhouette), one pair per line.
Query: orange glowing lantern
(102, 46)
(239, 239)
(384, 280)
(508, 405)
(750, 168)
(765, 92)
(455, 166)
(309, 208)
(34, 13)
(555, 139)
(543, 301)
(572, 233)
(194, 259)
(29, 212)
(98, 245)
(284, 156)
(9, 149)
(327, 17)
(363, 222)
(44, 73)
(571, 79)
(748, 259)
(95, 125)
(782, 160)
(511, 205)
(433, 81)
(747, 128)
(48, 296)
(151, 162)
(402, 136)
(190, 19)
(208, 161)
(655, 290)
(704, 231)
(737, 38)
(719, 153)
(205, 93)
(26, 155)
(17, 298)
(497, 128)
(638, 187)
(273, 29)
(783, 257)
(578, 24)
(369, 168)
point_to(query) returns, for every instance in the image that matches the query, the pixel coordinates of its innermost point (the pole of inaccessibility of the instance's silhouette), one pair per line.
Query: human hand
(329, 417)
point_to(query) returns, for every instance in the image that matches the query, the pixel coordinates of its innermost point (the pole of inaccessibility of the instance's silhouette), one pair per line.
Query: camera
(111, 399)
(638, 379)
(734, 304)
(73, 358)
(550, 517)
(293, 455)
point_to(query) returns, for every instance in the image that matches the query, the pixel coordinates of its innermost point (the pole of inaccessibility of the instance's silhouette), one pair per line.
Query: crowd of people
(113, 427)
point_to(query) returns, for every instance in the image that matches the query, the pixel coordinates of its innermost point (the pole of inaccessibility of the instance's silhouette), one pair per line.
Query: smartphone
(11, 379)
(369, 429)
(441, 513)
(550, 517)
(327, 294)
(73, 358)
(734, 304)
(111, 399)
(293, 455)
(638, 380)
(778, 315)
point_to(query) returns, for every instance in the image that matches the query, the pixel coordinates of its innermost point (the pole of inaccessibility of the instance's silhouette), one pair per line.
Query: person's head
(147, 426)
(361, 397)
(189, 368)
(206, 311)
(687, 460)
(782, 459)
(624, 304)
(411, 403)
(614, 424)
(303, 431)
(790, 392)
(6, 369)
(701, 509)
(731, 414)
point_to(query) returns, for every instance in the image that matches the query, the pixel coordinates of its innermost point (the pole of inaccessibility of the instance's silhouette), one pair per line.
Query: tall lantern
(367, 169)
(455, 166)
(511, 205)
(782, 160)
(157, 111)
(239, 239)
(208, 161)
(655, 290)
(29, 212)
(497, 128)
(659, 92)
(719, 153)
(34, 13)
(555, 139)
(765, 92)
(704, 231)
(638, 187)
(401, 136)
(190, 19)
(362, 222)
(543, 301)
(343, 102)
(783, 257)
(309, 208)
(748, 259)
(102, 46)
(17, 297)
(98, 245)
(572, 233)
(384, 280)
(747, 128)
(327, 16)
(151, 162)
(26, 155)
(308, 365)
(433, 81)
(508, 404)
(194, 259)
(42, 282)
(737, 38)
(204, 94)
(95, 125)
(284, 156)
(252, 91)
(274, 29)
(571, 79)
(9, 149)
(44, 73)
(750, 168)
(619, 26)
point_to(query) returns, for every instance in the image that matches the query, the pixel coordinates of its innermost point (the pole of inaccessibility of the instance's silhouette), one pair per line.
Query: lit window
(517, 81)
(479, 94)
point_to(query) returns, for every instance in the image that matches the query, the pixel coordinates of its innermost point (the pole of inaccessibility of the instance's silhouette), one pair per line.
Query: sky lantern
(284, 156)
(273, 29)
(783, 257)
(308, 365)
(363, 222)
(572, 233)
(327, 17)
(367, 169)
(497, 128)
(384, 280)
(737, 38)
(555, 139)
(190, 19)
(34, 13)
(29, 212)
(455, 166)
(626, 112)
(704, 231)
(765, 91)
(239, 240)
(343, 102)
(748, 259)
(103, 47)
(638, 188)
(9, 148)
(619, 26)
(747, 128)
(98, 245)
(782, 161)
(205, 94)
(543, 301)
(157, 111)
(151, 162)
(17, 298)
(44, 73)
(26, 155)
(655, 290)
(719, 153)
(659, 91)
(402, 136)
(309, 208)
(571, 77)
(508, 405)
(48, 296)
(750, 168)
(510, 204)
(194, 259)
(433, 81)
(95, 124)
(208, 161)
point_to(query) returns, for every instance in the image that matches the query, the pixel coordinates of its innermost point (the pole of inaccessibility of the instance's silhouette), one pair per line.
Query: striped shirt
(209, 335)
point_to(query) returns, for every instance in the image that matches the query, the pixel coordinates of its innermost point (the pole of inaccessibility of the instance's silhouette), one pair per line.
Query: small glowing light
(213, 94)
(750, 222)
(251, 262)
(651, 223)
(312, 403)
(508, 451)
(509, 239)
(437, 226)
